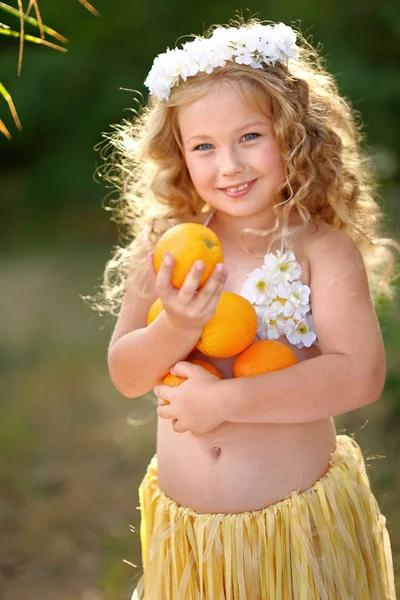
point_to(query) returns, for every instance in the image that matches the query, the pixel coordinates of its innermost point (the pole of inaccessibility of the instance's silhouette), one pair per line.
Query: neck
(232, 225)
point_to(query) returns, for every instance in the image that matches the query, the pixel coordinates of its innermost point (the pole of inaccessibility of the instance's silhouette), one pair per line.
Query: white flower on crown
(255, 46)
(282, 40)
(281, 300)
(200, 50)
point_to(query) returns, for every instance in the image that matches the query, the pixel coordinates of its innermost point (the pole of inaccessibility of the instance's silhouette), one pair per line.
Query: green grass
(73, 463)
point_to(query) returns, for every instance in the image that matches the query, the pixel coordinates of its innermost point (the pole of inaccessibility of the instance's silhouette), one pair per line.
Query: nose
(231, 163)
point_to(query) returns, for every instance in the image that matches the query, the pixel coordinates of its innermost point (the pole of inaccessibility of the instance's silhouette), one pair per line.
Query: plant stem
(7, 97)
(31, 38)
(34, 22)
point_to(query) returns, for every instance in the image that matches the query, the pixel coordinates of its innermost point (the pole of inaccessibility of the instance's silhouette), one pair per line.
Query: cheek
(270, 161)
(199, 172)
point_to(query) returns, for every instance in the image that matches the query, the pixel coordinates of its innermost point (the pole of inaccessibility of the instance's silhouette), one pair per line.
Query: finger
(210, 303)
(165, 412)
(213, 301)
(202, 297)
(163, 282)
(184, 368)
(164, 392)
(211, 291)
(191, 281)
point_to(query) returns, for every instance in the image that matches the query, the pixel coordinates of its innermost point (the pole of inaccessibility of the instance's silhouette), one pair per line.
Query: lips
(239, 188)
(235, 191)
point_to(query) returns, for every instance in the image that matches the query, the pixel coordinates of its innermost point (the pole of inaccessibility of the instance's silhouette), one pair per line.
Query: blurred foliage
(73, 464)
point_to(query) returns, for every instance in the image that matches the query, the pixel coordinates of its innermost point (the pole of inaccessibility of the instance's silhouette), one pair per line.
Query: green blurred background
(72, 459)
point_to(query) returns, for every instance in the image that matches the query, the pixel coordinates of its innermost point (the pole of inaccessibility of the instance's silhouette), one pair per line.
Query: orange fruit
(188, 242)
(232, 328)
(155, 309)
(206, 365)
(263, 356)
(175, 380)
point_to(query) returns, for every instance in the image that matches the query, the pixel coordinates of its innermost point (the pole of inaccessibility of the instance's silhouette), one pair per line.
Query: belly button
(216, 451)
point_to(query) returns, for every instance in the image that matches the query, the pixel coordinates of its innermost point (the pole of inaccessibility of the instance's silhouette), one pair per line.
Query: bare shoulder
(321, 232)
(343, 311)
(332, 254)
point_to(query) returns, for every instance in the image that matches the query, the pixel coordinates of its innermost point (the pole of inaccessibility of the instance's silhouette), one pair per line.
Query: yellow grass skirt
(327, 543)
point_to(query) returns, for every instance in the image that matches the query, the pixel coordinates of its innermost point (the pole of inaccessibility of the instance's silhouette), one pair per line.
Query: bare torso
(244, 467)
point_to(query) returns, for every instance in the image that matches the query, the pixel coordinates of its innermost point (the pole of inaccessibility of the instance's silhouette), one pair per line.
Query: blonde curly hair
(328, 174)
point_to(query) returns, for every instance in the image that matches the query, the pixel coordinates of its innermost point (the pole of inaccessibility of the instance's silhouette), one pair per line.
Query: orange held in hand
(188, 242)
(206, 365)
(232, 328)
(155, 309)
(263, 356)
(175, 380)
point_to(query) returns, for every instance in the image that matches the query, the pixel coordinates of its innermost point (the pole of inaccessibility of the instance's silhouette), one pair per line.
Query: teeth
(238, 189)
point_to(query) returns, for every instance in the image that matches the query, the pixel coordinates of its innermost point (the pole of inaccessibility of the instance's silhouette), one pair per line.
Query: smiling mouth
(238, 188)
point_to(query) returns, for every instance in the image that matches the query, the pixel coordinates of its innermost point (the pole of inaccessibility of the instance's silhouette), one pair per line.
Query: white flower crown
(256, 46)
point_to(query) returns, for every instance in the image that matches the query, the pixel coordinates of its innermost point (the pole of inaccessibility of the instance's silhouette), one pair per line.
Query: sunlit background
(71, 458)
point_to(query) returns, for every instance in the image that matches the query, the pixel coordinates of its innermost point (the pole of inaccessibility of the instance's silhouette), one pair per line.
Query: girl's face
(231, 153)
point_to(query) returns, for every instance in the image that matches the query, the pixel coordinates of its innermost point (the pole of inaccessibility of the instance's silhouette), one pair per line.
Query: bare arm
(139, 359)
(349, 374)
(140, 355)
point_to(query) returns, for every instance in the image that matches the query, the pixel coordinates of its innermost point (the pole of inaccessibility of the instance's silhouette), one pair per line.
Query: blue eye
(248, 137)
(204, 147)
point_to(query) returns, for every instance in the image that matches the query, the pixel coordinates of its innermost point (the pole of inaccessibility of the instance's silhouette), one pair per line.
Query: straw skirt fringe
(327, 543)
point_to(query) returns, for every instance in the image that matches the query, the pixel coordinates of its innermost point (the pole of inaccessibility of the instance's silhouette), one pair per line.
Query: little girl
(252, 494)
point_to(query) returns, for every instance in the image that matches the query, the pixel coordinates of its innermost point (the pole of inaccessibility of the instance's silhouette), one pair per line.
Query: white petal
(289, 309)
(284, 290)
(273, 333)
(309, 338)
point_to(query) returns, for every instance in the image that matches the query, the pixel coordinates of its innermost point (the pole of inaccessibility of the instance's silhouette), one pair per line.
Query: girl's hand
(195, 405)
(186, 307)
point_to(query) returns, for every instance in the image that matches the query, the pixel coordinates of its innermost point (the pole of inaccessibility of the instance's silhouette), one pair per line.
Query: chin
(244, 209)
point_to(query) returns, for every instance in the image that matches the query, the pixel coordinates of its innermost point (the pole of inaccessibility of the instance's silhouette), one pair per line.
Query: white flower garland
(256, 46)
(281, 300)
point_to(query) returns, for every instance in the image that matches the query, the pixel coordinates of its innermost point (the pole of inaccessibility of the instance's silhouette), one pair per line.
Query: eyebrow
(247, 126)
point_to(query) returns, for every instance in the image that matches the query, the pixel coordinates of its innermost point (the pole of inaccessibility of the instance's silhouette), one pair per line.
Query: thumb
(183, 369)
